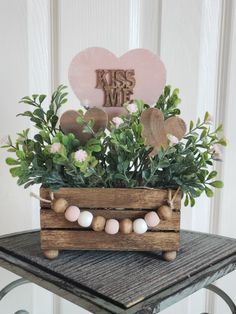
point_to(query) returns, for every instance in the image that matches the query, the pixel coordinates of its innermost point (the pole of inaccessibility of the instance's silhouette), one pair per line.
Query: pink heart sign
(100, 79)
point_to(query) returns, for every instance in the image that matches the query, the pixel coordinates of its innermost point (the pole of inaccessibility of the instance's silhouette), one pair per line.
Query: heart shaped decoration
(139, 74)
(69, 124)
(156, 129)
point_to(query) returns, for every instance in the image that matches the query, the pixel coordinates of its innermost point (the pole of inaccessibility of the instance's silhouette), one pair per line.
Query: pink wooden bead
(112, 226)
(72, 213)
(152, 219)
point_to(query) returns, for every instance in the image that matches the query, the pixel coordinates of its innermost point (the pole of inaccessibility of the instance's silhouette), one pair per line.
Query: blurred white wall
(15, 211)
(197, 42)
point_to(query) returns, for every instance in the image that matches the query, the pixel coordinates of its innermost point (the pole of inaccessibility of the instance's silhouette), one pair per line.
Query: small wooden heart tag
(156, 129)
(69, 124)
(153, 131)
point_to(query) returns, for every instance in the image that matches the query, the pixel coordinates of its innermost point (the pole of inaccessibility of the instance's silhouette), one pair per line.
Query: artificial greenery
(117, 157)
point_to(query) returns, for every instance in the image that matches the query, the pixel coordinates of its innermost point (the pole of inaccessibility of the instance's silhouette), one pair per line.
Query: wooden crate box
(59, 234)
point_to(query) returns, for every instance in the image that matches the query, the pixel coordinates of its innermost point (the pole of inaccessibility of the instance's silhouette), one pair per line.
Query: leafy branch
(117, 157)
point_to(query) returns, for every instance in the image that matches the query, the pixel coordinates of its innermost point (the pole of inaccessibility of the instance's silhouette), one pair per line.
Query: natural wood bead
(51, 254)
(169, 256)
(126, 226)
(98, 223)
(164, 212)
(59, 205)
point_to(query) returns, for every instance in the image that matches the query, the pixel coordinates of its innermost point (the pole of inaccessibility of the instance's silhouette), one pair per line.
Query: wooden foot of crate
(169, 255)
(51, 254)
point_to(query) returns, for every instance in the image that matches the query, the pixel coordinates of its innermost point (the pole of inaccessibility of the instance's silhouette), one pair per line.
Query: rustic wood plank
(88, 240)
(87, 277)
(51, 220)
(113, 198)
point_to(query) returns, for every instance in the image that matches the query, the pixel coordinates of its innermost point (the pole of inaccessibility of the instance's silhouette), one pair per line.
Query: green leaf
(167, 90)
(206, 116)
(203, 134)
(39, 138)
(25, 114)
(95, 148)
(163, 163)
(54, 120)
(11, 150)
(219, 128)
(192, 201)
(41, 98)
(213, 174)
(20, 154)
(35, 96)
(16, 171)
(222, 142)
(208, 192)
(11, 161)
(191, 125)
(186, 201)
(217, 184)
(39, 113)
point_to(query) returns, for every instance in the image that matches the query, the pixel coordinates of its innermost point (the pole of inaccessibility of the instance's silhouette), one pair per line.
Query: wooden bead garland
(112, 226)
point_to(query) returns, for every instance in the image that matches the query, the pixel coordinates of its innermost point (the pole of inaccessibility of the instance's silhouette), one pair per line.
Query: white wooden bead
(85, 219)
(139, 226)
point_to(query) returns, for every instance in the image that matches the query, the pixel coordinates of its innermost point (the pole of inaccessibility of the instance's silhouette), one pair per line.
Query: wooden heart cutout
(156, 129)
(149, 74)
(69, 124)
(153, 131)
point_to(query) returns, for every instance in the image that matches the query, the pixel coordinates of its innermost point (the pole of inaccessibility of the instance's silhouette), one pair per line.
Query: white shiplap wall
(15, 210)
(195, 42)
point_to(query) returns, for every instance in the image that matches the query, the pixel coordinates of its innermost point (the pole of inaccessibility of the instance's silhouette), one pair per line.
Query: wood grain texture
(99, 117)
(153, 129)
(175, 126)
(69, 124)
(60, 234)
(51, 220)
(144, 284)
(113, 197)
(91, 240)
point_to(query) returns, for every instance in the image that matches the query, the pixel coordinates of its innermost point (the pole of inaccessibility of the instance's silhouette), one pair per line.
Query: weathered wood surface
(113, 198)
(84, 240)
(122, 282)
(51, 220)
(109, 203)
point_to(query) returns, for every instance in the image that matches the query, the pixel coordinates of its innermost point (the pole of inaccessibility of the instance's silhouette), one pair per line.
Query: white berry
(85, 219)
(139, 226)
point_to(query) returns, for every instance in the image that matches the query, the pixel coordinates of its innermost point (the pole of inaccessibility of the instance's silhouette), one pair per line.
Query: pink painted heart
(150, 75)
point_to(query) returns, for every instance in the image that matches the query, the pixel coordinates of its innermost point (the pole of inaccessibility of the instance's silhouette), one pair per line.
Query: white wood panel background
(15, 211)
(197, 42)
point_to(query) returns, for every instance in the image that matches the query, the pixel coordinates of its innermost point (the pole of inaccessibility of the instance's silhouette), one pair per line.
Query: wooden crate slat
(51, 220)
(88, 240)
(113, 197)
